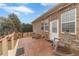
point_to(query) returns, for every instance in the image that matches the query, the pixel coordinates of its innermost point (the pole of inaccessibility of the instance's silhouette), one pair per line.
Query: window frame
(42, 26)
(74, 33)
(46, 25)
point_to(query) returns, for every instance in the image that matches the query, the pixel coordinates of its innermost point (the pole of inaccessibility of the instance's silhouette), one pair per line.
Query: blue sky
(27, 12)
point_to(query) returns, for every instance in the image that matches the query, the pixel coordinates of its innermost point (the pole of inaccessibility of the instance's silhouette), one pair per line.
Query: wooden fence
(27, 34)
(8, 42)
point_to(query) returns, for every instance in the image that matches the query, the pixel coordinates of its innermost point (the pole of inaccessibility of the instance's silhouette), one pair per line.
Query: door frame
(57, 27)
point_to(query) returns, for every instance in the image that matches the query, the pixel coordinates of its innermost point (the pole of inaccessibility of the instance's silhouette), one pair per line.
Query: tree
(26, 27)
(5, 26)
(9, 24)
(15, 21)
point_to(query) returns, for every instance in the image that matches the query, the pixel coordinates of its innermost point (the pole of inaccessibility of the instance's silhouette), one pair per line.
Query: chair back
(66, 39)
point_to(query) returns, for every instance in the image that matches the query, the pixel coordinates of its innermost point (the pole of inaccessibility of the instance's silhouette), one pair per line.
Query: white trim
(75, 21)
(71, 21)
(46, 25)
(68, 22)
(57, 28)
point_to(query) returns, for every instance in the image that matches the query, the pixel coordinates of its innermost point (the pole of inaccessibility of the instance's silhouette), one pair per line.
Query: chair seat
(62, 44)
(65, 44)
(63, 51)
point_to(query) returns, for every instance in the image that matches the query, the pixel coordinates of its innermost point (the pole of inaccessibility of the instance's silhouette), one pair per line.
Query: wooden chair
(45, 36)
(36, 36)
(75, 46)
(64, 42)
(33, 35)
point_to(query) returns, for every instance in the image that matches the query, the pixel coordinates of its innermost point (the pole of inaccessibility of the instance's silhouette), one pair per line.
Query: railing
(8, 42)
(27, 34)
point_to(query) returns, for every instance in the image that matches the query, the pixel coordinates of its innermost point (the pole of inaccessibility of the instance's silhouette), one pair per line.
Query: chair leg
(55, 47)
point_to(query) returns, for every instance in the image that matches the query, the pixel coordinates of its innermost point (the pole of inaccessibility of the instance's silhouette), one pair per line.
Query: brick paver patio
(36, 47)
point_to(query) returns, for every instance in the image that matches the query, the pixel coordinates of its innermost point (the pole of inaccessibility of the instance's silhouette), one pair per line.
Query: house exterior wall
(37, 26)
(57, 16)
(77, 25)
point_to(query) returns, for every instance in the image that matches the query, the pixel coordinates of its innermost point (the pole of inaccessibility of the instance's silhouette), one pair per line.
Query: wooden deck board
(33, 47)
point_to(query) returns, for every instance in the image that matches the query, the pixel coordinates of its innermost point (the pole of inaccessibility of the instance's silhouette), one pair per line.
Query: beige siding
(57, 16)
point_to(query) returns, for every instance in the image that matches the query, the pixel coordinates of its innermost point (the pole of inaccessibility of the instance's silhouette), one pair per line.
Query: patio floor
(35, 47)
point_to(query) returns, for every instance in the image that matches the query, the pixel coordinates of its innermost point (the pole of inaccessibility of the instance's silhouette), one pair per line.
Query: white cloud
(16, 9)
(46, 4)
(22, 9)
(2, 4)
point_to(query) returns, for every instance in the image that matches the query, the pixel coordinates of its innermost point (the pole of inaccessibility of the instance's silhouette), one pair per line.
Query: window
(42, 26)
(54, 27)
(46, 26)
(68, 21)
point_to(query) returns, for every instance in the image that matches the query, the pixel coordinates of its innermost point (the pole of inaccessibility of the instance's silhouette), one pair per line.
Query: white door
(54, 29)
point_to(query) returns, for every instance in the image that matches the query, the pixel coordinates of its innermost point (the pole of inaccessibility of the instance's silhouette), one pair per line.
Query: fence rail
(8, 42)
(27, 34)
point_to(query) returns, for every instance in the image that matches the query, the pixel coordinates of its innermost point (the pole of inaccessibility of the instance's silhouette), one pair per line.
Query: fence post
(12, 41)
(29, 34)
(5, 46)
